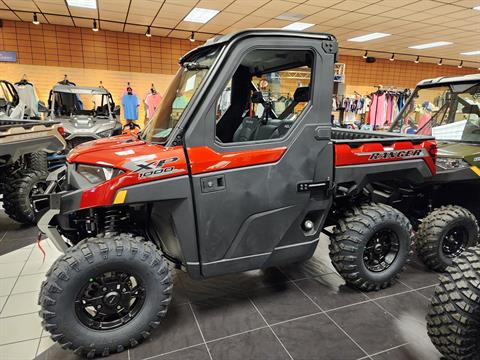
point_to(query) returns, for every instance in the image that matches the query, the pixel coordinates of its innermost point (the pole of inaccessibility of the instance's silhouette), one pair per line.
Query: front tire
(453, 321)
(444, 234)
(105, 295)
(18, 191)
(371, 245)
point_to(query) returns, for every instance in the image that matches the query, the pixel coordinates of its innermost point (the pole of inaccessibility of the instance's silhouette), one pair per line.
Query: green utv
(446, 210)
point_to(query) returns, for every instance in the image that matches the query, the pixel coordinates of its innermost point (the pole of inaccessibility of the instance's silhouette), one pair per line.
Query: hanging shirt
(130, 107)
(152, 101)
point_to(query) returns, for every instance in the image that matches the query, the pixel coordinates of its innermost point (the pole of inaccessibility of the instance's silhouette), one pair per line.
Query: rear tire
(76, 287)
(37, 161)
(453, 321)
(444, 234)
(17, 194)
(371, 245)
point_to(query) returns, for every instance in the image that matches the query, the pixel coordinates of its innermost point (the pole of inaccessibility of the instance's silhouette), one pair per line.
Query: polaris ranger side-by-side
(217, 192)
(449, 203)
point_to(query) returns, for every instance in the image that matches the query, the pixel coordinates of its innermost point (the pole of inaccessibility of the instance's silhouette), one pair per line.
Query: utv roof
(80, 90)
(252, 32)
(472, 78)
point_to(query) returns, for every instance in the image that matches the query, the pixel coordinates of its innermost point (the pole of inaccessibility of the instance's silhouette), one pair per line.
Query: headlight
(97, 174)
(451, 163)
(105, 134)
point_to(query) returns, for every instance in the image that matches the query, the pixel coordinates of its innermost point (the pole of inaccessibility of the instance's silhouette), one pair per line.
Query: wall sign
(8, 56)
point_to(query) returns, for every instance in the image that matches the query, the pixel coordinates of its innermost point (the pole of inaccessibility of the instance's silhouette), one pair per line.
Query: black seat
(247, 129)
(302, 94)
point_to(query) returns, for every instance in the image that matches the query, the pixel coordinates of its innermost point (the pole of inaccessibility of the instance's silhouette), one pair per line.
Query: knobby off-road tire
(437, 230)
(84, 264)
(352, 241)
(17, 194)
(37, 161)
(453, 320)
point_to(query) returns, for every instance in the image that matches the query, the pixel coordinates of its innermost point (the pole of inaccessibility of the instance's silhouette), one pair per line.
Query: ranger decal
(395, 154)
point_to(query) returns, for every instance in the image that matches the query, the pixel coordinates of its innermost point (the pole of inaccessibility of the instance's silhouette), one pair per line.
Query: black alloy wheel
(381, 250)
(110, 300)
(455, 242)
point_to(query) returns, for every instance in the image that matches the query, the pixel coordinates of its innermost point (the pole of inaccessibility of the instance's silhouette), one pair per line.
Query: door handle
(212, 183)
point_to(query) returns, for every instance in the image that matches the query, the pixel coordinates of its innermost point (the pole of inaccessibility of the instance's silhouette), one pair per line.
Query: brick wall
(46, 52)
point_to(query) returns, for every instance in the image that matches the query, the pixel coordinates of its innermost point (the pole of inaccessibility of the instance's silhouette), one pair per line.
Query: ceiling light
(475, 52)
(417, 60)
(95, 27)
(298, 26)
(192, 37)
(365, 55)
(430, 45)
(368, 37)
(460, 65)
(89, 4)
(440, 62)
(476, 8)
(200, 15)
(392, 58)
(35, 19)
(148, 33)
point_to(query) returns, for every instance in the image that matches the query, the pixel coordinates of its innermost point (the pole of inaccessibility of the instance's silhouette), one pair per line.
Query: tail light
(61, 130)
(432, 150)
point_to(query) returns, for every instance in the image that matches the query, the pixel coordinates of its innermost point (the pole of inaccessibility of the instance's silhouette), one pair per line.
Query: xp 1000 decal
(153, 168)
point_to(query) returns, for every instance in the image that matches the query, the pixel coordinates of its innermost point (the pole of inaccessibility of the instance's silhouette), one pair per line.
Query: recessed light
(475, 52)
(298, 26)
(430, 45)
(89, 4)
(477, 8)
(200, 15)
(290, 16)
(368, 37)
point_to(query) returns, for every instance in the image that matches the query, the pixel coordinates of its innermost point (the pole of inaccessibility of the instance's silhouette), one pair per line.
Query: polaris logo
(402, 154)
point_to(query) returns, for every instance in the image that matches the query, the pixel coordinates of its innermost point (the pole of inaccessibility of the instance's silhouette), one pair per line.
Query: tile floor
(294, 312)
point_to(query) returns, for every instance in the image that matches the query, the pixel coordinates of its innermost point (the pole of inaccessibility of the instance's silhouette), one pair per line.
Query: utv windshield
(448, 112)
(178, 95)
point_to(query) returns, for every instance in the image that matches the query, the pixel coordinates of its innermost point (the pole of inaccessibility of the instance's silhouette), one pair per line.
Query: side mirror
(41, 107)
(116, 110)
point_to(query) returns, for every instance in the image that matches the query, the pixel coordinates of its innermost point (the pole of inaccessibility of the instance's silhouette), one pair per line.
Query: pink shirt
(152, 101)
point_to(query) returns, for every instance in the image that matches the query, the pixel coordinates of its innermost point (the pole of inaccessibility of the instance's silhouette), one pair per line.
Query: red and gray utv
(225, 178)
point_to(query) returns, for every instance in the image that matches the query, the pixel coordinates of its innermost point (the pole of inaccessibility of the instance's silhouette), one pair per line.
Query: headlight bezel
(96, 174)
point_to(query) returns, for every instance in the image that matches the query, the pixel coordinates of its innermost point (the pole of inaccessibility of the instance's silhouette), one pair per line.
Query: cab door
(260, 169)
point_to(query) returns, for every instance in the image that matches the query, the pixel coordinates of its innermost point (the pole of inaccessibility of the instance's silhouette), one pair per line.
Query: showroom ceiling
(409, 22)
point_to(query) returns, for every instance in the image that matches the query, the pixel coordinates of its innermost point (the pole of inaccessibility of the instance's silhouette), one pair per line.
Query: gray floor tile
(428, 292)
(372, 328)
(411, 305)
(418, 275)
(226, 316)
(409, 352)
(178, 330)
(329, 291)
(259, 344)
(19, 328)
(282, 302)
(194, 353)
(16, 256)
(24, 350)
(36, 267)
(316, 337)
(396, 288)
(3, 300)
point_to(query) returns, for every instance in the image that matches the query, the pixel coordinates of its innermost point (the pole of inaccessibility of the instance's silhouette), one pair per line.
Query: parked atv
(24, 145)
(448, 205)
(86, 113)
(221, 192)
(453, 321)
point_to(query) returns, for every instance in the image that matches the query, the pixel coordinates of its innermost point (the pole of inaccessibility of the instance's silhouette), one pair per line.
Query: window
(266, 94)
